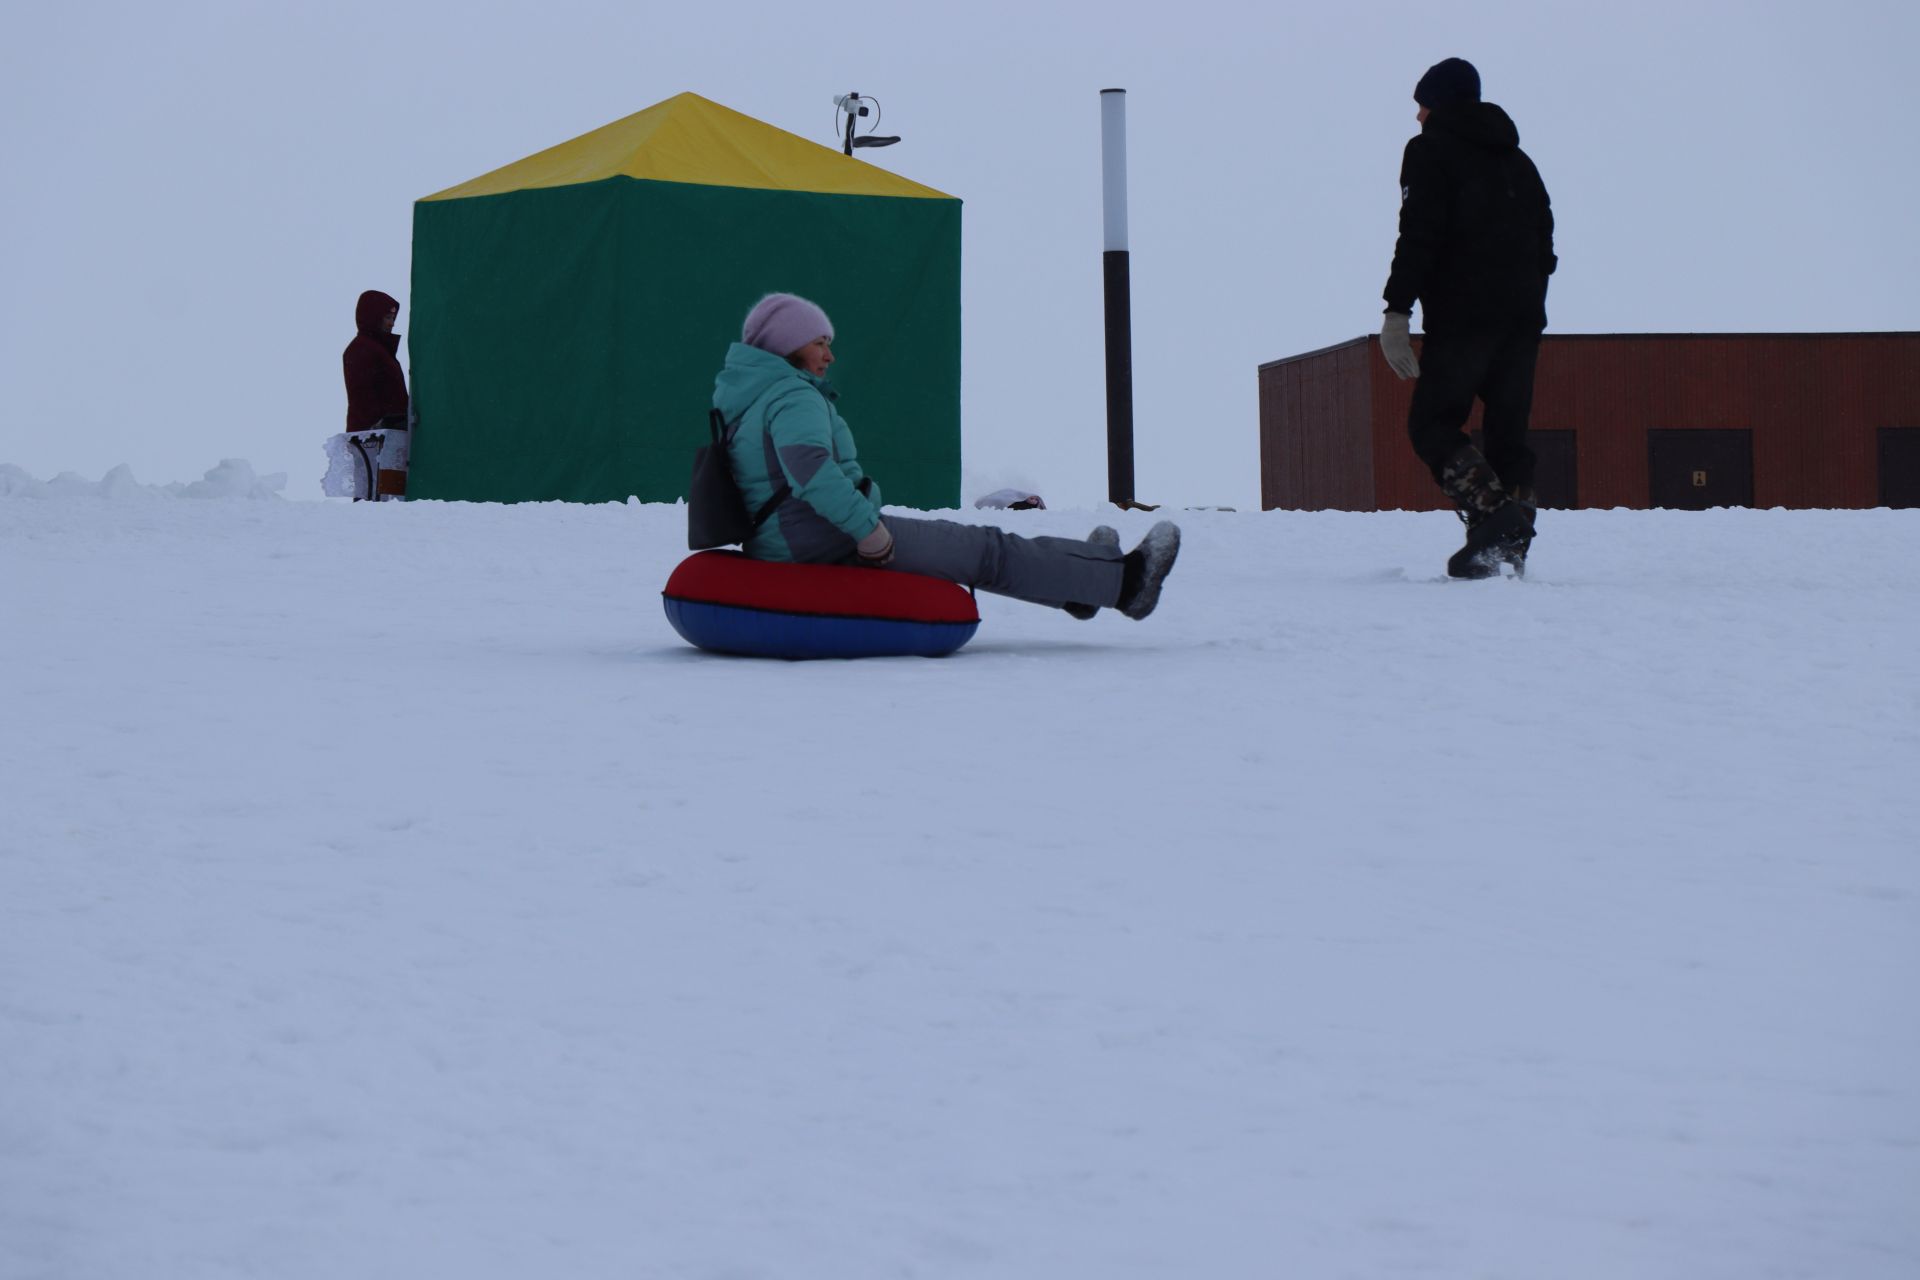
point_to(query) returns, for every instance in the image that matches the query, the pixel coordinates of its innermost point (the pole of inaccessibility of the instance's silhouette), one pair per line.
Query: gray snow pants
(1051, 571)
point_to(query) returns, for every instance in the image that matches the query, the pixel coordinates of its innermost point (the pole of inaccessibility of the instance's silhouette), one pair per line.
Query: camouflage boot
(1496, 524)
(1529, 503)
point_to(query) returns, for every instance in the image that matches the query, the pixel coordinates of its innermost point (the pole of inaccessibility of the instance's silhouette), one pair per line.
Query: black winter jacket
(1476, 227)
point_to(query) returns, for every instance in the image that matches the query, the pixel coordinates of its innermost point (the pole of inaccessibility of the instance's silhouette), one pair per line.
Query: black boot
(1145, 568)
(1497, 526)
(1102, 536)
(1500, 537)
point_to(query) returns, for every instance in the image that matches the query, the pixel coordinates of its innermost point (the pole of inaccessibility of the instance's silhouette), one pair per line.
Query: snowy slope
(385, 891)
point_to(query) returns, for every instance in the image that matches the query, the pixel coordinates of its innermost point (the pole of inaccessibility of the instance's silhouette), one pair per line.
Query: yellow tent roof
(689, 139)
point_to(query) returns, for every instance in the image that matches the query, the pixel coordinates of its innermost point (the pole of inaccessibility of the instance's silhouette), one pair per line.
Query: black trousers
(1495, 366)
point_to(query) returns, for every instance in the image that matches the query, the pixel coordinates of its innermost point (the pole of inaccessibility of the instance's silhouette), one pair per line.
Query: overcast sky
(199, 191)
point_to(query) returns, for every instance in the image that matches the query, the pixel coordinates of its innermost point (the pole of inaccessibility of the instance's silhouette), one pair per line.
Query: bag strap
(722, 431)
(366, 465)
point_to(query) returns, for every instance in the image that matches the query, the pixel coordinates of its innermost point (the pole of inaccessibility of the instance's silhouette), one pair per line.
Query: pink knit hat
(782, 323)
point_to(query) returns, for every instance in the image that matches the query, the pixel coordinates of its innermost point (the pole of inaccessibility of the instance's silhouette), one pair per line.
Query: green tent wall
(563, 337)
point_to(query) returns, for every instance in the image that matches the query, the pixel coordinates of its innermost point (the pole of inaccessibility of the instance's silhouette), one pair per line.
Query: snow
(233, 478)
(386, 891)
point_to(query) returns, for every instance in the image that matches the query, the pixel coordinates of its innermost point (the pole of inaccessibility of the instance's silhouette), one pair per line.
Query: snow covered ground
(386, 891)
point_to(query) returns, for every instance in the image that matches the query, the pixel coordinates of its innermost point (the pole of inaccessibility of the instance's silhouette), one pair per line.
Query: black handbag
(716, 513)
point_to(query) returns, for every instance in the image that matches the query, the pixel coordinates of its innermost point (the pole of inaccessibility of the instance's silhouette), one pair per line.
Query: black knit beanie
(1453, 80)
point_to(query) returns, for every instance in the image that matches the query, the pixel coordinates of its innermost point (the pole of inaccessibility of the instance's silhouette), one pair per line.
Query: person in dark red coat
(376, 388)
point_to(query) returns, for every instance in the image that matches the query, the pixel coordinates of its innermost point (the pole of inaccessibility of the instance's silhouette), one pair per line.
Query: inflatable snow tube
(725, 603)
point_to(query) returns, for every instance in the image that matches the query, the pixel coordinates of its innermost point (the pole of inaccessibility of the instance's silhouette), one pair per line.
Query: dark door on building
(1556, 467)
(1694, 470)
(1900, 466)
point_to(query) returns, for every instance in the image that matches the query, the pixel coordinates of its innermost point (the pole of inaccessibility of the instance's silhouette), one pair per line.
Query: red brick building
(1623, 420)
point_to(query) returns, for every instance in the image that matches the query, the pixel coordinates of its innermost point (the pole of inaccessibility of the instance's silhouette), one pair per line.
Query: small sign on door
(1699, 479)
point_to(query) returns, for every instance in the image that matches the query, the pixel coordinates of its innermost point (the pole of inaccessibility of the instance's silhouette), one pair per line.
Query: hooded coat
(1476, 225)
(376, 387)
(790, 433)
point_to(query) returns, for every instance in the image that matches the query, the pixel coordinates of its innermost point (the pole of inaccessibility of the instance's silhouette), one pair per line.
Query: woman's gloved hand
(876, 548)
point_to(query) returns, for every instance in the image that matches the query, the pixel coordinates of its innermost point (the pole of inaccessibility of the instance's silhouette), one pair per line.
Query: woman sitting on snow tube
(789, 433)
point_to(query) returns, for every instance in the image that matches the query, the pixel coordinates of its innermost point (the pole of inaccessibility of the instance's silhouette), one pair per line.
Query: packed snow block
(724, 602)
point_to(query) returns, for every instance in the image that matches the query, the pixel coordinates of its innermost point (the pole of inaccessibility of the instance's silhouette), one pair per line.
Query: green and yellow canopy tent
(570, 310)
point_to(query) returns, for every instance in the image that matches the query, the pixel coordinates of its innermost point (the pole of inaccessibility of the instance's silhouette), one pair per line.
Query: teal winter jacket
(790, 433)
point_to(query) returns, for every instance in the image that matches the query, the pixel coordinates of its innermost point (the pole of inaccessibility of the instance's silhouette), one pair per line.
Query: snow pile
(233, 478)
(386, 891)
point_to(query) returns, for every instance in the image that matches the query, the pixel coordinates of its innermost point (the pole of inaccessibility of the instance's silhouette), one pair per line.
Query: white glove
(876, 548)
(1397, 345)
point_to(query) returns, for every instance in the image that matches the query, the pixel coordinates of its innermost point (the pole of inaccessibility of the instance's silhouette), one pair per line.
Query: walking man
(1475, 248)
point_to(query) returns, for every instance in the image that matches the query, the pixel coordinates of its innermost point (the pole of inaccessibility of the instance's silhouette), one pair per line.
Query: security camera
(850, 103)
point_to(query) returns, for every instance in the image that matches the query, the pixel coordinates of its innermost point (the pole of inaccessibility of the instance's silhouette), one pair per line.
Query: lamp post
(1119, 296)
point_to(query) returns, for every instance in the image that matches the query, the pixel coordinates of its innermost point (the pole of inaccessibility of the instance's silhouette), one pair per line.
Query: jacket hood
(750, 373)
(371, 310)
(1481, 123)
